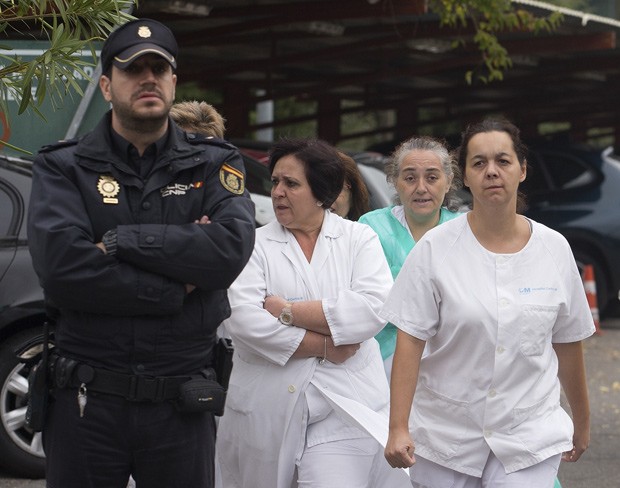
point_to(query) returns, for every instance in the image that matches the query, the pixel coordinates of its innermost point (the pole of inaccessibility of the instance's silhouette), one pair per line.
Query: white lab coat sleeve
(574, 322)
(250, 325)
(353, 315)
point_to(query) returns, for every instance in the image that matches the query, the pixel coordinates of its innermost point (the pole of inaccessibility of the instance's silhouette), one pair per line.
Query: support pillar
(328, 119)
(236, 110)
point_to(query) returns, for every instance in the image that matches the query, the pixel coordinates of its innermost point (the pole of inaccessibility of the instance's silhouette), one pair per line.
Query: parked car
(574, 189)
(22, 315)
(258, 183)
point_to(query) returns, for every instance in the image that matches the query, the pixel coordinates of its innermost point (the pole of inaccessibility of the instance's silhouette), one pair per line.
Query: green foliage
(490, 17)
(71, 26)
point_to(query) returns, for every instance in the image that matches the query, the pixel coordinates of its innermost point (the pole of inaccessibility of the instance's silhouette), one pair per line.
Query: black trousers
(159, 446)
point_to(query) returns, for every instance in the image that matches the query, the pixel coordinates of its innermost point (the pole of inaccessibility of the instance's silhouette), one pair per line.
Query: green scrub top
(397, 242)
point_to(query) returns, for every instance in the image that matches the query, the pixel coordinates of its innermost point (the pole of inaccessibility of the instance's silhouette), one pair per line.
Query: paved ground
(598, 467)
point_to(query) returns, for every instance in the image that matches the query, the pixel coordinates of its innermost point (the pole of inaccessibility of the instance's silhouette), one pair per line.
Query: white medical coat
(271, 395)
(489, 379)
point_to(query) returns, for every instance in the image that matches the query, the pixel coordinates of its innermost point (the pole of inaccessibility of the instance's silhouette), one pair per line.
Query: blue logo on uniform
(527, 289)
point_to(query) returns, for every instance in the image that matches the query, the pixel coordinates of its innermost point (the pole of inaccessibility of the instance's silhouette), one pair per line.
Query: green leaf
(490, 17)
(15, 148)
(26, 97)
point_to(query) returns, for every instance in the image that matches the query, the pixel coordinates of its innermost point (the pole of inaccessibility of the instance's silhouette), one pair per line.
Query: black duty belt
(69, 373)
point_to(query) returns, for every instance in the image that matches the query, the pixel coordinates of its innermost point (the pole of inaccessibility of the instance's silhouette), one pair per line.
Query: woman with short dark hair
(308, 378)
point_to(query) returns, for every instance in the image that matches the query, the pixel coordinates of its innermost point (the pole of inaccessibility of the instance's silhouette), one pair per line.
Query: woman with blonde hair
(199, 117)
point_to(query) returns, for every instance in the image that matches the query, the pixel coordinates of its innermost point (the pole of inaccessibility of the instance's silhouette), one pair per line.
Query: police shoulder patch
(232, 179)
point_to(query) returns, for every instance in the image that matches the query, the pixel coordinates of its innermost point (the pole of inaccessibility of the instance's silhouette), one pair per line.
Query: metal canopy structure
(354, 57)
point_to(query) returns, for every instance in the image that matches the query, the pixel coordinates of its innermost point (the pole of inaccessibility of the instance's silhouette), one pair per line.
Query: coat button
(291, 388)
(150, 239)
(146, 205)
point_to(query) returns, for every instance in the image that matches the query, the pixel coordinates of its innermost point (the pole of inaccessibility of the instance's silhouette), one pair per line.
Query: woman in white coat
(308, 384)
(499, 303)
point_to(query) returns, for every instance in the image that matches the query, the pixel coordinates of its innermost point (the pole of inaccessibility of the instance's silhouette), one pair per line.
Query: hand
(399, 449)
(581, 441)
(203, 220)
(339, 354)
(578, 449)
(189, 288)
(102, 247)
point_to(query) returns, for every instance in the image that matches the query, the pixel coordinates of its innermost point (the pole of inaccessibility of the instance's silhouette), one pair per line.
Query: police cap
(137, 38)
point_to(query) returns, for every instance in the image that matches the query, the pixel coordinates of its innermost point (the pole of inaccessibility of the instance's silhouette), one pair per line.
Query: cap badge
(144, 31)
(108, 188)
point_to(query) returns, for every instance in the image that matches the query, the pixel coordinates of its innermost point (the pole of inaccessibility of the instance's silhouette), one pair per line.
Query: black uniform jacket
(130, 312)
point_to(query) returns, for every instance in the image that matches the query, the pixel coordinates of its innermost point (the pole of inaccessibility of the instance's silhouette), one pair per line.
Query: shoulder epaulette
(59, 145)
(195, 138)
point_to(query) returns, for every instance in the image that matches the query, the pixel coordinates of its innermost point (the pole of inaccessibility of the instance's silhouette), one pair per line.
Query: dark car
(575, 189)
(21, 319)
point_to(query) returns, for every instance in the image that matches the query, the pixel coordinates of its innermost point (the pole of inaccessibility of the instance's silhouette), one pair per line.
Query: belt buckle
(146, 388)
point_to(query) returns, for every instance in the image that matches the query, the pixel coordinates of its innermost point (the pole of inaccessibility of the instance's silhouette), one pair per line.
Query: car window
(567, 172)
(6, 210)
(537, 181)
(258, 179)
(9, 216)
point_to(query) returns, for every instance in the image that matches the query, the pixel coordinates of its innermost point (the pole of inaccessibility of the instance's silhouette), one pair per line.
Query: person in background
(422, 171)
(307, 371)
(202, 118)
(139, 286)
(198, 117)
(499, 302)
(353, 200)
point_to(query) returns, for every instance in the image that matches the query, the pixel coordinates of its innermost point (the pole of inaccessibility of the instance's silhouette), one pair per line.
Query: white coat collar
(332, 228)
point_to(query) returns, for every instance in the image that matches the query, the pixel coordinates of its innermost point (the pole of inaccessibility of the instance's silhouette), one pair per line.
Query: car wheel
(602, 294)
(21, 450)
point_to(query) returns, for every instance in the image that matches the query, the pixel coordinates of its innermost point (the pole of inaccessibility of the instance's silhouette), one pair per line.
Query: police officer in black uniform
(136, 230)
